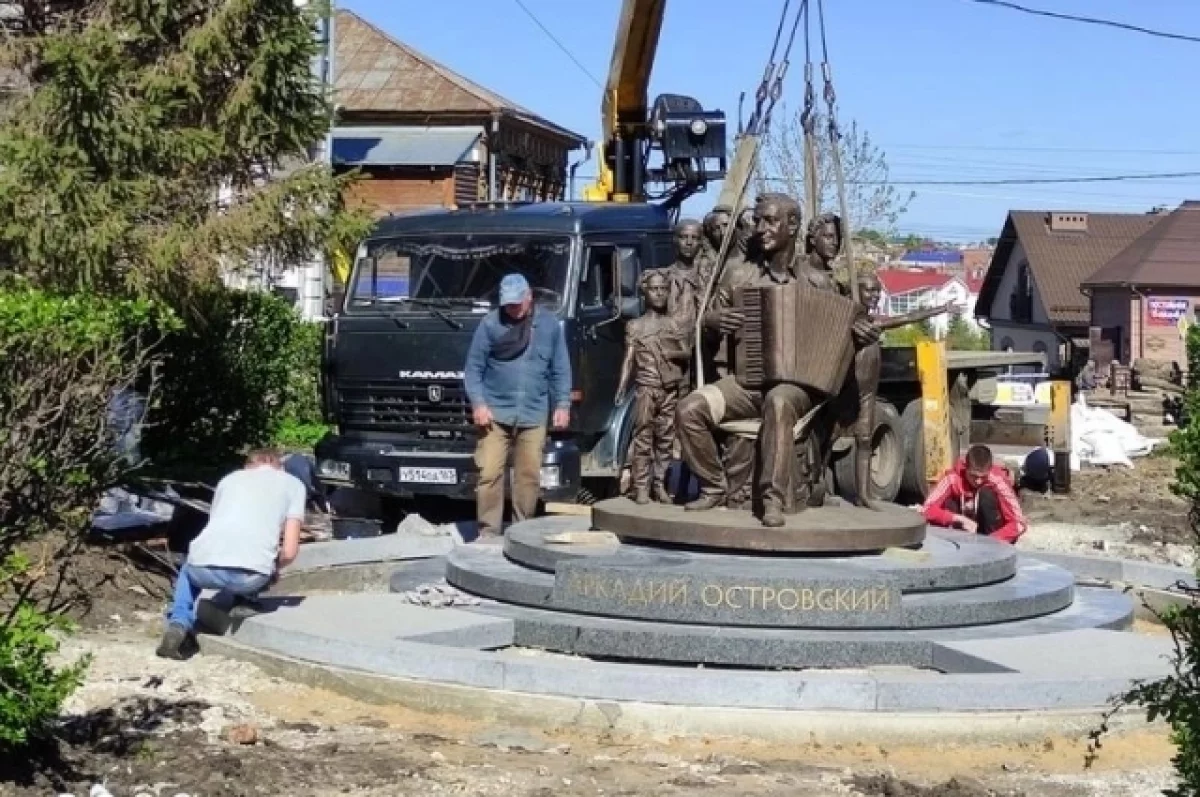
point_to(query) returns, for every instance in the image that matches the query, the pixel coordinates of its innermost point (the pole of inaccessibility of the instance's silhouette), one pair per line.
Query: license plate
(429, 475)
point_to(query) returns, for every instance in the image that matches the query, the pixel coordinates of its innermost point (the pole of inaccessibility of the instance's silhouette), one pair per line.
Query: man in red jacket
(977, 497)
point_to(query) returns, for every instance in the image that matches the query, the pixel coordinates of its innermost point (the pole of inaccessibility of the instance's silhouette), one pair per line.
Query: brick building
(428, 137)
(1145, 296)
(1031, 295)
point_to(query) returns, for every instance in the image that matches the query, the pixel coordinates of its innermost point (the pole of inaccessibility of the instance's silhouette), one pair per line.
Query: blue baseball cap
(513, 289)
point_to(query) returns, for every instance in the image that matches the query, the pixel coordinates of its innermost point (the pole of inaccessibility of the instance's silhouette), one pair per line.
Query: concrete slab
(1083, 654)
(311, 632)
(388, 548)
(380, 619)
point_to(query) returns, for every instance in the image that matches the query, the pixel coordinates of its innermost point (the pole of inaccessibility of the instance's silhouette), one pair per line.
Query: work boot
(706, 501)
(773, 515)
(245, 606)
(174, 640)
(642, 496)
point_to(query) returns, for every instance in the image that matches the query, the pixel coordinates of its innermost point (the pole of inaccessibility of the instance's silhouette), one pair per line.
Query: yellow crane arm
(625, 107)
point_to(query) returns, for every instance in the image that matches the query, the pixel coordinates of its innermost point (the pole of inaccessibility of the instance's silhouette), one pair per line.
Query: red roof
(897, 281)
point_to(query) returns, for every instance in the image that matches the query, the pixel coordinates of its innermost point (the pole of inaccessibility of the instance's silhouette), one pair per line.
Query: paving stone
(387, 548)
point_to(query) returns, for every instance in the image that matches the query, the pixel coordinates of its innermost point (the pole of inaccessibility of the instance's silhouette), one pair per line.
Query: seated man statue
(780, 408)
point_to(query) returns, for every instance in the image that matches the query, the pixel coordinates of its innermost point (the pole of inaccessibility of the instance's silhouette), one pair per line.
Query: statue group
(787, 361)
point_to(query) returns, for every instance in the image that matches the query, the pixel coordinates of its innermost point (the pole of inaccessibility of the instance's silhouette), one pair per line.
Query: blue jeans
(193, 579)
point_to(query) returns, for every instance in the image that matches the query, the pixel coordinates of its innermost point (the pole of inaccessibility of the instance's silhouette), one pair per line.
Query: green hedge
(62, 362)
(242, 373)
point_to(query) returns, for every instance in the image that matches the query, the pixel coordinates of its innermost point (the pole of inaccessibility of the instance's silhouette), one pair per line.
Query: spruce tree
(160, 142)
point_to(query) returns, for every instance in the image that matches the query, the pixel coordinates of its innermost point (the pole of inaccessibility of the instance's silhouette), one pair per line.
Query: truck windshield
(450, 270)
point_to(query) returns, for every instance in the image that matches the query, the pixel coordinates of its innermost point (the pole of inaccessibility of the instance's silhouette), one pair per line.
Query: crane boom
(688, 135)
(624, 110)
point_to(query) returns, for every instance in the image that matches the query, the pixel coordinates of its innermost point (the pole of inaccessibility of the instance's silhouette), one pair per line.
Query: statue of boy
(656, 357)
(858, 399)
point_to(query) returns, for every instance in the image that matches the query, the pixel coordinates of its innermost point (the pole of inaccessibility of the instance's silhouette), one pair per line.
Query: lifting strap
(835, 154)
(745, 160)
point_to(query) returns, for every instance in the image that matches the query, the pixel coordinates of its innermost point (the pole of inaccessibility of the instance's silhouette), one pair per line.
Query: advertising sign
(1165, 312)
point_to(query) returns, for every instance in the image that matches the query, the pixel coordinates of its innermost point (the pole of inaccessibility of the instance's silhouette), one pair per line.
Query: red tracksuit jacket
(954, 486)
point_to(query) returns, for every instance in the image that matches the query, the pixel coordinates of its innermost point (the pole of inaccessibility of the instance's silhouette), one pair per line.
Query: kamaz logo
(431, 374)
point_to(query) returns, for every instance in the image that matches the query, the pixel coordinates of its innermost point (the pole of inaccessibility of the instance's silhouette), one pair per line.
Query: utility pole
(314, 277)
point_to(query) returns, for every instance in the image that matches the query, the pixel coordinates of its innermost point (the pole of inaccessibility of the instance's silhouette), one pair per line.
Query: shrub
(243, 370)
(299, 424)
(63, 361)
(1176, 698)
(33, 688)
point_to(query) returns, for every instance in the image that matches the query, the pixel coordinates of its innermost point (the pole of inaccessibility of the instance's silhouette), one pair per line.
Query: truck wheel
(887, 457)
(912, 429)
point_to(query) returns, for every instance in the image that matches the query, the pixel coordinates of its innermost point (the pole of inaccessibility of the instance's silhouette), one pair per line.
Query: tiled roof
(897, 281)
(1166, 256)
(1061, 261)
(374, 72)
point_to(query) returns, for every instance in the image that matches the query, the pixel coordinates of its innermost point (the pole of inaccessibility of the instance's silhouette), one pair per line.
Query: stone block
(813, 595)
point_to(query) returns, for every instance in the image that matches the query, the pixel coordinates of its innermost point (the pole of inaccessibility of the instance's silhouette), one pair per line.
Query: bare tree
(874, 203)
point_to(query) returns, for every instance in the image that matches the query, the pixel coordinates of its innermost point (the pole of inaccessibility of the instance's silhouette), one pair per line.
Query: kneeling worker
(253, 532)
(977, 496)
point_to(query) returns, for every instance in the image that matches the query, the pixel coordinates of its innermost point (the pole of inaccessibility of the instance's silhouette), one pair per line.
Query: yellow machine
(689, 139)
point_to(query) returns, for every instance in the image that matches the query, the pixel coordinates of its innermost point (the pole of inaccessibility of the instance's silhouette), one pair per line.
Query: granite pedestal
(835, 528)
(570, 589)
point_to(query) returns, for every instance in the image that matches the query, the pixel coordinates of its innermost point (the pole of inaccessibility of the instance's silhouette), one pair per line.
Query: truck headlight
(550, 477)
(333, 469)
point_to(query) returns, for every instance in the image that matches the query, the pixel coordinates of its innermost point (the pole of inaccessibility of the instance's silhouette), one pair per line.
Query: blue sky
(949, 89)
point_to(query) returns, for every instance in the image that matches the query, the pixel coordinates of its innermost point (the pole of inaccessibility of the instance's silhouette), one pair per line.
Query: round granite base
(834, 528)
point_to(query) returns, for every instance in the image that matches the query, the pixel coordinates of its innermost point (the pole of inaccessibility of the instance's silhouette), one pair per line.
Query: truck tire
(888, 462)
(913, 487)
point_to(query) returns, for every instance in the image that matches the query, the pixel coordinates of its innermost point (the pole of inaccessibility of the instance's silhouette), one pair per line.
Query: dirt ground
(1117, 512)
(144, 726)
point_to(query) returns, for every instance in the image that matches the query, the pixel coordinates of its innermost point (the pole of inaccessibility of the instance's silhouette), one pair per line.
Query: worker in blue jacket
(518, 377)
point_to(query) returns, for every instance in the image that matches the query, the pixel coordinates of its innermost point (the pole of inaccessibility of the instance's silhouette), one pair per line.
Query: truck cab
(396, 346)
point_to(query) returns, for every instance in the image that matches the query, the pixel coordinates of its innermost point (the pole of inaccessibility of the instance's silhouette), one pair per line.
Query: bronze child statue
(863, 384)
(656, 356)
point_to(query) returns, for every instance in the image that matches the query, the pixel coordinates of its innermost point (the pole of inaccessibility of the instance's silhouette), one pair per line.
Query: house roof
(898, 281)
(375, 72)
(404, 146)
(1166, 256)
(1061, 260)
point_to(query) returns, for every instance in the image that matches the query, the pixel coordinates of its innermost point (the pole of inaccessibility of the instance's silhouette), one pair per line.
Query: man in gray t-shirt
(253, 531)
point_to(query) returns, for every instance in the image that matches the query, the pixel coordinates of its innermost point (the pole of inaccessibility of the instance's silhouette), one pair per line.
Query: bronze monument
(656, 356)
(794, 338)
(685, 283)
(858, 398)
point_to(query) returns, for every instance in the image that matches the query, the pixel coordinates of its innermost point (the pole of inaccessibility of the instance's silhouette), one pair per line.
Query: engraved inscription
(673, 592)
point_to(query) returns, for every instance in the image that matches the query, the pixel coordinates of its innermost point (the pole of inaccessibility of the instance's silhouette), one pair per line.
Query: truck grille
(436, 409)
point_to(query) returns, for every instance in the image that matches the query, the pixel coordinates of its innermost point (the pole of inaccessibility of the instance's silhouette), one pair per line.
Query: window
(460, 267)
(596, 289)
(909, 302)
(1020, 304)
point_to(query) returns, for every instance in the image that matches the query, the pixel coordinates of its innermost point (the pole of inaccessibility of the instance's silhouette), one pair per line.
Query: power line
(558, 43)
(1090, 20)
(1114, 178)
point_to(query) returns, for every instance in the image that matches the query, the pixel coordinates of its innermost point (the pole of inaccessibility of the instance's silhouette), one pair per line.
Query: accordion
(796, 334)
